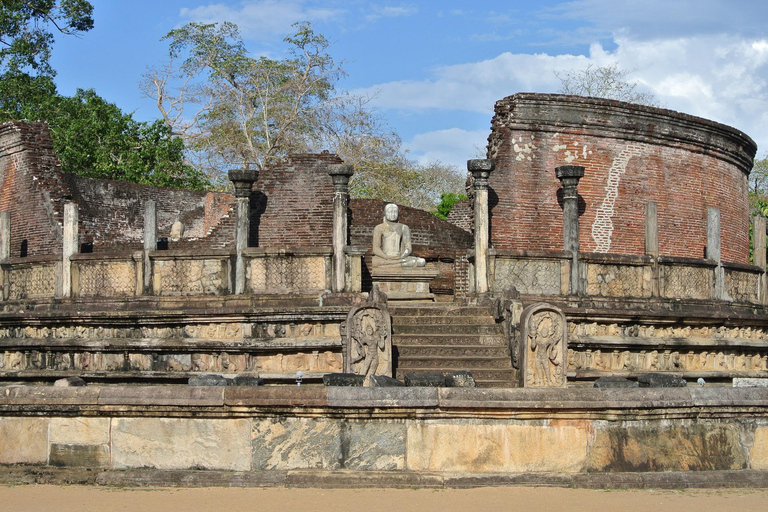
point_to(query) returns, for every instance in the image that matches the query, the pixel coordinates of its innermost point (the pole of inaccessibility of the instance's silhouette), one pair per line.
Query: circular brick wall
(632, 155)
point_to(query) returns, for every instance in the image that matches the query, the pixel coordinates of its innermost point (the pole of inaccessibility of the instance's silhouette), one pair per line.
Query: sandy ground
(86, 499)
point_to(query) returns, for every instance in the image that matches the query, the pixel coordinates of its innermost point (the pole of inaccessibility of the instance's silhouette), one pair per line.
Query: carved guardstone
(368, 338)
(544, 346)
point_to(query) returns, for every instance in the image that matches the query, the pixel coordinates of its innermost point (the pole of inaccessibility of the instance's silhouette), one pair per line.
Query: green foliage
(27, 31)
(446, 204)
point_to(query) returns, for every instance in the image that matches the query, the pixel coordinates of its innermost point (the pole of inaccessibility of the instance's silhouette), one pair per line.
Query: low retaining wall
(416, 430)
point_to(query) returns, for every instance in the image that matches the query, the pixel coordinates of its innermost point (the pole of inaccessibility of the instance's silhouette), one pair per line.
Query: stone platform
(405, 284)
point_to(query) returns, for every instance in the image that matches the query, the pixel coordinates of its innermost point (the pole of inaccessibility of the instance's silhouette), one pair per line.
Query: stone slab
(23, 440)
(162, 395)
(521, 398)
(80, 455)
(661, 380)
(296, 443)
(615, 382)
(758, 455)
(719, 396)
(373, 445)
(181, 443)
(496, 447)
(45, 395)
(80, 430)
(265, 396)
(659, 446)
(382, 397)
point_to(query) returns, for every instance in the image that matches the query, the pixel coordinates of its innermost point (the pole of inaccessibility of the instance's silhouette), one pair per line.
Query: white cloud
(390, 11)
(452, 146)
(722, 78)
(260, 20)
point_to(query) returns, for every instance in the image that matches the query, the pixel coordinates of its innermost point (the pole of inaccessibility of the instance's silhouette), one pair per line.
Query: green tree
(447, 201)
(94, 138)
(233, 109)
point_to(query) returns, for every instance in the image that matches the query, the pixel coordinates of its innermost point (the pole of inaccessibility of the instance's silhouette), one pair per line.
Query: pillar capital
(341, 173)
(243, 180)
(481, 169)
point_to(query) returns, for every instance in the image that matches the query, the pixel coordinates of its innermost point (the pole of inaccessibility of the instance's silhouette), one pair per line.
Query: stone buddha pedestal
(399, 274)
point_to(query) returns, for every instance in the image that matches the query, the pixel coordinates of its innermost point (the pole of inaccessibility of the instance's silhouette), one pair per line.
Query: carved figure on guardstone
(392, 242)
(368, 340)
(544, 336)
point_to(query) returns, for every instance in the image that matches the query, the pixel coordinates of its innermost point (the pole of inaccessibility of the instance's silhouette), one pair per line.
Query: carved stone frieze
(544, 341)
(668, 360)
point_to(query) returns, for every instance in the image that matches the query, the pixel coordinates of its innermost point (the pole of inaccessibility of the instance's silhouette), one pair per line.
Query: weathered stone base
(346, 479)
(405, 284)
(478, 434)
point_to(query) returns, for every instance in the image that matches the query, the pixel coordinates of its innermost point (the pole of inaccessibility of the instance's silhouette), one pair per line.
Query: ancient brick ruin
(604, 245)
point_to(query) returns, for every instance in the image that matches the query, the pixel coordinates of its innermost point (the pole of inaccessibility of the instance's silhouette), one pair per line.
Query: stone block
(473, 447)
(79, 430)
(296, 443)
(69, 382)
(294, 396)
(460, 379)
(659, 446)
(208, 379)
(181, 443)
(373, 445)
(382, 397)
(80, 455)
(23, 440)
(661, 380)
(343, 379)
(48, 395)
(744, 382)
(615, 382)
(247, 380)
(162, 395)
(431, 380)
(382, 381)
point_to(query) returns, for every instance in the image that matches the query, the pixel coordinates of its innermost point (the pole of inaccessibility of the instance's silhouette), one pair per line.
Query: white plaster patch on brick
(602, 227)
(573, 153)
(524, 151)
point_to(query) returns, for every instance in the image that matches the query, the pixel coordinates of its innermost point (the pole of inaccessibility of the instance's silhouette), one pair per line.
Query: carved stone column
(569, 176)
(340, 173)
(243, 179)
(5, 250)
(758, 253)
(481, 169)
(713, 252)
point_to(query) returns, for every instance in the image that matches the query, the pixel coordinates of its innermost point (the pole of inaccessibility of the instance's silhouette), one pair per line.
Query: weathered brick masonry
(632, 154)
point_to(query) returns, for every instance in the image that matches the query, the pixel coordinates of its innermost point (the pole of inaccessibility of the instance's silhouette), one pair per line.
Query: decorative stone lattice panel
(540, 277)
(741, 286)
(190, 277)
(685, 282)
(107, 279)
(618, 280)
(33, 281)
(287, 274)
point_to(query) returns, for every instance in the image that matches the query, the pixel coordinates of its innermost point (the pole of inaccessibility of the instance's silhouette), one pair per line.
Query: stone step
(456, 363)
(503, 378)
(440, 320)
(447, 329)
(448, 339)
(440, 310)
(409, 351)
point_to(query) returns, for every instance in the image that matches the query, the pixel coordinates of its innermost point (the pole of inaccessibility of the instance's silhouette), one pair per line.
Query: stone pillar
(713, 251)
(5, 236)
(340, 173)
(569, 176)
(481, 169)
(70, 240)
(150, 241)
(758, 254)
(652, 244)
(243, 179)
(5, 250)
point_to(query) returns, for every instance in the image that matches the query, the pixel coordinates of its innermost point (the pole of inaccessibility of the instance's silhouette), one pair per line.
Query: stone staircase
(448, 337)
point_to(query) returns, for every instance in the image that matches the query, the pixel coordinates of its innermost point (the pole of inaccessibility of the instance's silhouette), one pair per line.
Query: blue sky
(435, 68)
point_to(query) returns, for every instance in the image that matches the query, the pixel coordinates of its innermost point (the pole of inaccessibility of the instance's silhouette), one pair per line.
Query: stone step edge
(350, 479)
